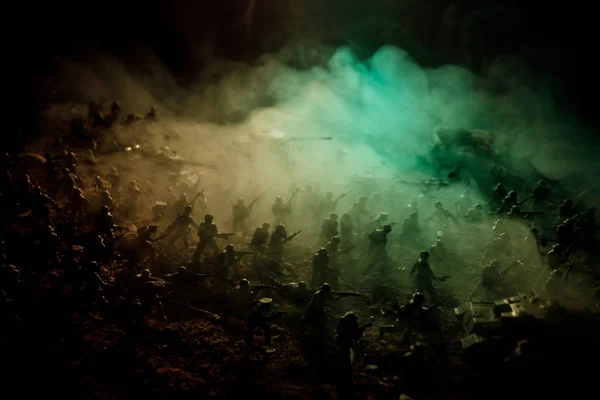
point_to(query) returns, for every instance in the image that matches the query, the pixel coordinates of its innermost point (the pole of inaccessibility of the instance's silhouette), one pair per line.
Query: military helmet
(478, 206)
(266, 225)
(418, 298)
(182, 270)
(265, 300)
(326, 287)
(335, 240)
(146, 273)
(424, 255)
(302, 285)
(279, 199)
(558, 247)
(280, 227)
(512, 193)
(557, 273)
(188, 209)
(240, 200)
(495, 264)
(438, 204)
(230, 248)
(244, 282)
(333, 216)
(104, 209)
(322, 251)
(208, 218)
(387, 228)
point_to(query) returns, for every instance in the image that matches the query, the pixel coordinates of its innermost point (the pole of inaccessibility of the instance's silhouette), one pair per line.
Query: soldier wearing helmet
(133, 198)
(423, 276)
(227, 262)
(475, 214)
(346, 227)
(333, 246)
(79, 205)
(278, 238)
(412, 314)
(329, 229)
(442, 215)
(315, 313)
(181, 228)
(321, 270)
(281, 211)
(67, 182)
(40, 205)
(181, 203)
(260, 237)
(107, 200)
(511, 199)
(377, 254)
(259, 318)
(491, 278)
(207, 231)
(104, 222)
(556, 257)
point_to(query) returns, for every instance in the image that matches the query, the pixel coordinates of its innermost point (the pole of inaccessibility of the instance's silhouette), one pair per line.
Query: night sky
(555, 38)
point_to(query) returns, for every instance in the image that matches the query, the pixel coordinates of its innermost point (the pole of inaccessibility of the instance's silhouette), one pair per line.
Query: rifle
(568, 271)
(264, 287)
(197, 196)
(505, 270)
(293, 236)
(254, 202)
(341, 197)
(528, 213)
(345, 250)
(224, 235)
(347, 294)
(293, 196)
(524, 200)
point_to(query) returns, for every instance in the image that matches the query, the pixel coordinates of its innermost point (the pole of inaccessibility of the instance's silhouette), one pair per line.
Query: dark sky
(555, 37)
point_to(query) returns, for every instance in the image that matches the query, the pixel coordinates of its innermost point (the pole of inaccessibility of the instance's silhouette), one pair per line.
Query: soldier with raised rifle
(104, 223)
(260, 238)
(281, 210)
(508, 202)
(278, 238)
(329, 204)
(207, 231)
(181, 228)
(423, 276)
(241, 213)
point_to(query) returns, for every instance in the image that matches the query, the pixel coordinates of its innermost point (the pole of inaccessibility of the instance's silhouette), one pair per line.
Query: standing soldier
(321, 270)
(260, 238)
(207, 231)
(329, 229)
(281, 211)
(424, 275)
(182, 227)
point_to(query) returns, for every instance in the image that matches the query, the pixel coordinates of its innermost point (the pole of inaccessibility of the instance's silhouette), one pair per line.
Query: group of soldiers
(80, 225)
